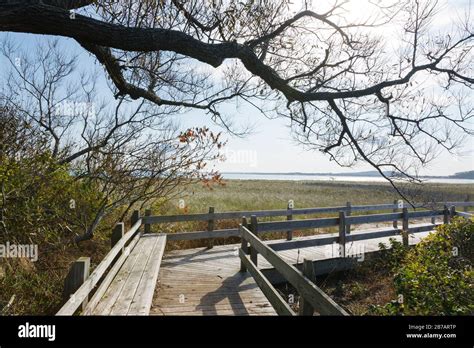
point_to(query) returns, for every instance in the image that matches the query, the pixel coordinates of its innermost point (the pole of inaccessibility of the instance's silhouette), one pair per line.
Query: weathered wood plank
(464, 214)
(428, 213)
(230, 296)
(364, 219)
(109, 298)
(277, 302)
(110, 277)
(199, 303)
(82, 293)
(143, 298)
(281, 226)
(213, 285)
(289, 233)
(255, 229)
(308, 271)
(342, 233)
(236, 215)
(147, 227)
(233, 232)
(298, 244)
(77, 275)
(460, 204)
(348, 213)
(424, 228)
(128, 291)
(117, 233)
(281, 212)
(228, 310)
(314, 295)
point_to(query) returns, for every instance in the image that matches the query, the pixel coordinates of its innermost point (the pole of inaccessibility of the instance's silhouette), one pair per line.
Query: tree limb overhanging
(123, 153)
(331, 74)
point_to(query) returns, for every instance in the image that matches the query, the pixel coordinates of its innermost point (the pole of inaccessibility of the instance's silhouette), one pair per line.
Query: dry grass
(356, 290)
(265, 194)
(238, 195)
(37, 288)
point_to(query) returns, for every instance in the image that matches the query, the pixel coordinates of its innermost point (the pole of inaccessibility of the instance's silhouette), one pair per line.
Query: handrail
(82, 293)
(330, 238)
(284, 212)
(312, 296)
(307, 289)
(277, 226)
(111, 258)
(289, 224)
(104, 284)
(464, 214)
(275, 299)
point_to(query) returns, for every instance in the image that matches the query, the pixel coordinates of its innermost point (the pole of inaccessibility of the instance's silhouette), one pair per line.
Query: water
(309, 177)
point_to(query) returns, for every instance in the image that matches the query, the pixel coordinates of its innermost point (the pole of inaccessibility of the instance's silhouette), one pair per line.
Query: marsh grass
(37, 287)
(238, 195)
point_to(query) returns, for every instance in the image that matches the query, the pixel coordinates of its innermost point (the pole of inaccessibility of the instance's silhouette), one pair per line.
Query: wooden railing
(213, 217)
(464, 214)
(312, 298)
(78, 284)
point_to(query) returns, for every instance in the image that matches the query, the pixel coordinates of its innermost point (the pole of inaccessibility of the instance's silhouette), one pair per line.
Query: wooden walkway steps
(204, 281)
(131, 291)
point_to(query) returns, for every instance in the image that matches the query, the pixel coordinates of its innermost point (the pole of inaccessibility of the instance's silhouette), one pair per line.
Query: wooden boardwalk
(131, 291)
(207, 282)
(204, 281)
(136, 278)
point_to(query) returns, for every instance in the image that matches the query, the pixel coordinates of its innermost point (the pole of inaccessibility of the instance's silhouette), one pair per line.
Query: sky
(270, 148)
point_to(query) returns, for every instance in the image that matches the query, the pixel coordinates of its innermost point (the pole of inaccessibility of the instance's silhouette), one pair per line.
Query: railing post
(244, 245)
(452, 212)
(135, 217)
(117, 233)
(468, 199)
(348, 213)
(342, 233)
(254, 229)
(395, 222)
(308, 271)
(405, 227)
(446, 215)
(210, 226)
(147, 228)
(289, 217)
(78, 273)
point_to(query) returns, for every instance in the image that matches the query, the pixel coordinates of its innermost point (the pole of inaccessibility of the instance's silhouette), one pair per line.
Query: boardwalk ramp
(131, 291)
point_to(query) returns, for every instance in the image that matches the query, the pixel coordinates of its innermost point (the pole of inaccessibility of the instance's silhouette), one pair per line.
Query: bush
(436, 276)
(36, 210)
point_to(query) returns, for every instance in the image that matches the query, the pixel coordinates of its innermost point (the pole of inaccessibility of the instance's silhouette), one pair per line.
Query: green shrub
(436, 276)
(392, 256)
(36, 209)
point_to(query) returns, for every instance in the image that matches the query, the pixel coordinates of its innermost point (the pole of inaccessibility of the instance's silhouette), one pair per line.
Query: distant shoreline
(464, 175)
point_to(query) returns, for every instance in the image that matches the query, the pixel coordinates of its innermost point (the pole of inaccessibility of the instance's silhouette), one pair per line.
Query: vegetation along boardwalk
(135, 278)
